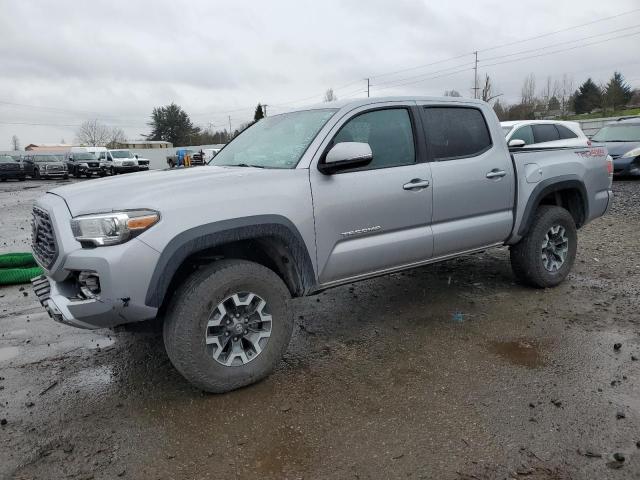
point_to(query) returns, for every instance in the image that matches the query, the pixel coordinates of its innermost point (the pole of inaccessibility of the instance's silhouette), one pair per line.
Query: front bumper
(626, 167)
(17, 174)
(124, 271)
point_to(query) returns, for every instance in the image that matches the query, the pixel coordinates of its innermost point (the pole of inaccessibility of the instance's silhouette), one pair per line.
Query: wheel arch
(271, 240)
(567, 191)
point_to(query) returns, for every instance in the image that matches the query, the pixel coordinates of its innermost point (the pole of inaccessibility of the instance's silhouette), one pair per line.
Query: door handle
(495, 173)
(416, 184)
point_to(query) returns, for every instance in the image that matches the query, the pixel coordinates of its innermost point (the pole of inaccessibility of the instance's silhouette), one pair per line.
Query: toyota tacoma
(296, 204)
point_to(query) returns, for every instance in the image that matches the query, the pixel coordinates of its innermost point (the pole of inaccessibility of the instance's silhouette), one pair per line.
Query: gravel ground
(449, 372)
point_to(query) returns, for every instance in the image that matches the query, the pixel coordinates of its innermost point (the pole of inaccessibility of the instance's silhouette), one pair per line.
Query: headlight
(632, 153)
(112, 228)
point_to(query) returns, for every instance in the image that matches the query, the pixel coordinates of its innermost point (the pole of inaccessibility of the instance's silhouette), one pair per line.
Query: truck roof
(339, 104)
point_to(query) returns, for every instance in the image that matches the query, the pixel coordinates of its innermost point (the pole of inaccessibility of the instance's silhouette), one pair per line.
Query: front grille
(127, 164)
(54, 168)
(96, 164)
(43, 238)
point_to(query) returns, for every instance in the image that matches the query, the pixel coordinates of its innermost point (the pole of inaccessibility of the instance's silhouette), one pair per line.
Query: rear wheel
(228, 325)
(544, 257)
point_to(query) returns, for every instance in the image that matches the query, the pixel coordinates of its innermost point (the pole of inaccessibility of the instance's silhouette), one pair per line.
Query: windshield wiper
(244, 165)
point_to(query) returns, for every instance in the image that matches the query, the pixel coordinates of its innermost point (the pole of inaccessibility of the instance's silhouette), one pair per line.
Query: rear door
(473, 179)
(377, 217)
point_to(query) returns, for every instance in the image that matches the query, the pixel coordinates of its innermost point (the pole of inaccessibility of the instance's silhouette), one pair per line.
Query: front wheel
(544, 257)
(228, 325)
(36, 174)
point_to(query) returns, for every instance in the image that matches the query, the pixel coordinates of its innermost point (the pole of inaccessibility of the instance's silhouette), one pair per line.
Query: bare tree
(15, 142)
(452, 93)
(329, 96)
(93, 133)
(487, 90)
(565, 90)
(116, 137)
(529, 90)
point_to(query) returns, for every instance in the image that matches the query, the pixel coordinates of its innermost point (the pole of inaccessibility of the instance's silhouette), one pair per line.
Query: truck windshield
(121, 154)
(274, 142)
(84, 156)
(47, 158)
(618, 133)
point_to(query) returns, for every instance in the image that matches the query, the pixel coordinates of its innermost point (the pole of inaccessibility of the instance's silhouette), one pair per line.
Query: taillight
(609, 165)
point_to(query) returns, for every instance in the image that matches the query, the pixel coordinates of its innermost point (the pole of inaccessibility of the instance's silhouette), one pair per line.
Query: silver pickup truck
(299, 203)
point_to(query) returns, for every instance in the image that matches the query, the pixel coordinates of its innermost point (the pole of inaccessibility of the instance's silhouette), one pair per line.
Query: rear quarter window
(456, 132)
(565, 133)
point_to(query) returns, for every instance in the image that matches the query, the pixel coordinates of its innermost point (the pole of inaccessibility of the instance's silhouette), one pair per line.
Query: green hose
(16, 268)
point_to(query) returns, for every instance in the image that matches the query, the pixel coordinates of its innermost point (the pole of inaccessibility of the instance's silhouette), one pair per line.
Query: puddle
(7, 353)
(519, 352)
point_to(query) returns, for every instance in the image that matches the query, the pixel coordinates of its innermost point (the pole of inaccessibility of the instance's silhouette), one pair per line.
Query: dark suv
(622, 139)
(84, 163)
(45, 165)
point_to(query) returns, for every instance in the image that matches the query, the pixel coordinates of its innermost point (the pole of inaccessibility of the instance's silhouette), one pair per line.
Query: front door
(374, 218)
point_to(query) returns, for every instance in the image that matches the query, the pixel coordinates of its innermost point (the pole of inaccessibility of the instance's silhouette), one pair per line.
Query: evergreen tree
(554, 104)
(259, 113)
(172, 124)
(588, 97)
(617, 92)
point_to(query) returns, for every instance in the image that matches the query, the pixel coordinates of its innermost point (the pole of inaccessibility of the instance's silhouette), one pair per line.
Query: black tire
(88, 174)
(66, 177)
(36, 174)
(526, 256)
(22, 179)
(3, 179)
(185, 324)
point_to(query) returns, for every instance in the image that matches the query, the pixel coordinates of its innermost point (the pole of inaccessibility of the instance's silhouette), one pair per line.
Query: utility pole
(264, 109)
(368, 88)
(229, 127)
(475, 76)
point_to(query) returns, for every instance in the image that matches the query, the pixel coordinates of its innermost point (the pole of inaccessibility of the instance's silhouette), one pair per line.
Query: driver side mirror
(516, 143)
(346, 155)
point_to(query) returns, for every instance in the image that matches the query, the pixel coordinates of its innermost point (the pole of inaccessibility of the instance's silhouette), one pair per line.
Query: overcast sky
(68, 61)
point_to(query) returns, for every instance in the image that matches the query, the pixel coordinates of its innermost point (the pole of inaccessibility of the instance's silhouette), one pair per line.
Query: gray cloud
(117, 60)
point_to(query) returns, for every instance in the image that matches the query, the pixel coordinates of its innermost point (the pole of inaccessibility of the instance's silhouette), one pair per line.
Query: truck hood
(200, 187)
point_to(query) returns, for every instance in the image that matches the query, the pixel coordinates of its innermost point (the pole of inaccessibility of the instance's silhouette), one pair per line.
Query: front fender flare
(211, 235)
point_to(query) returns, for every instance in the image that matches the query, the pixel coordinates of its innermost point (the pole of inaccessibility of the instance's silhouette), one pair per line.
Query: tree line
(559, 98)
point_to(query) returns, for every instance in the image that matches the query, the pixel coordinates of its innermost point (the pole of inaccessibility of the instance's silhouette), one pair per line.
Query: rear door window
(545, 133)
(523, 133)
(455, 132)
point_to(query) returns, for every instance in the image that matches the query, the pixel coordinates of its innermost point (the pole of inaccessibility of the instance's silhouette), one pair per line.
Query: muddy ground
(446, 372)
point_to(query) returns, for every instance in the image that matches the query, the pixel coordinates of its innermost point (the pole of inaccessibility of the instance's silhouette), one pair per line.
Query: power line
(561, 43)
(496, 47)
(563, 49)
(560, 31)
(454, 67)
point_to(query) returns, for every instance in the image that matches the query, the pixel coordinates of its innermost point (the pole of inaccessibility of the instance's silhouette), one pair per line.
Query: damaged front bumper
(121, 275)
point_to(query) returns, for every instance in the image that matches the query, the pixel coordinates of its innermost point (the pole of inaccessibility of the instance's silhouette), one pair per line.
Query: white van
(118, 161)
(95, 150)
